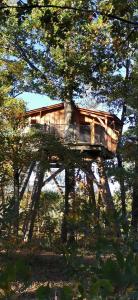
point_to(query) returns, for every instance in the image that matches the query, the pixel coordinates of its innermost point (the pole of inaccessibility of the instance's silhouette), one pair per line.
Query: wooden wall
(102, 128)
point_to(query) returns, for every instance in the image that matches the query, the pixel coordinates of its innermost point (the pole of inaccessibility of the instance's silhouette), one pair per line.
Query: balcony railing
(79, 134)
(73, 133)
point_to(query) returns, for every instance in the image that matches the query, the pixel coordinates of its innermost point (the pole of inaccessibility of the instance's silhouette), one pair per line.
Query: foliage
(12, 273)
(48, 222)
(43, 293)
(60, 50)
(112, 274)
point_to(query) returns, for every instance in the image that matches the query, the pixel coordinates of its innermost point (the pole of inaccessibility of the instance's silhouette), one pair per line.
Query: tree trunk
(122, 186)
(67, 228)
(134, 221)
(69, 122)
(2, 195)
(104, 186)
(92, 200)
(26, 180)
(16, 202)
(38, 184)
(107, 197)
(90, 188)
(120, 164)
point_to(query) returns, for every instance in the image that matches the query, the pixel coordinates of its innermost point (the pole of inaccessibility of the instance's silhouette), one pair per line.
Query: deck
(81, 138)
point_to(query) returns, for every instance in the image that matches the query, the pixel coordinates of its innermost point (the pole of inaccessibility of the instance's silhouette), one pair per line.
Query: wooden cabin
(92, 130)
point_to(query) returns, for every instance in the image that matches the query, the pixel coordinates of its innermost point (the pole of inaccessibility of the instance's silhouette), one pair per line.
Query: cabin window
(99, 135)
(85, 133)
(33, 121)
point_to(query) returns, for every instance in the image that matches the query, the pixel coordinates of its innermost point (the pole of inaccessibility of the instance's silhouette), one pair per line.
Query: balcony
(80, 135)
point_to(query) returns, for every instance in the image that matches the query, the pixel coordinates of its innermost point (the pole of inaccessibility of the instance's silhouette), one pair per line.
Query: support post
(38, 184)
(134, 221)
(104, 186)
(16, 201)
(69, 201)
(106, 196)
(90, 188)
(92, 132)
(26, 180)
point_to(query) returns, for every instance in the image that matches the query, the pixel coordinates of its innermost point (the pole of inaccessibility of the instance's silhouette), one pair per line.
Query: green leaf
(111, 271)
(101, 287)
(43, 293)
(66, 293)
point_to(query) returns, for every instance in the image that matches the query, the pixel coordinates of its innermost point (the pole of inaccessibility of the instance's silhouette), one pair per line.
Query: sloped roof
(46, 108)
(87, 111)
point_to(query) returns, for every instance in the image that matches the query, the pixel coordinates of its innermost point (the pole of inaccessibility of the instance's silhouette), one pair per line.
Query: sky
(36, 100)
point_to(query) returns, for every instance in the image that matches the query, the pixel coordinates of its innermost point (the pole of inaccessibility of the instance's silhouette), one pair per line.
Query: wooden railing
(80, 134)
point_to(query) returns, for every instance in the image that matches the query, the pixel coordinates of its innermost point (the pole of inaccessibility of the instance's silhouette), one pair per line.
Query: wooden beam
(26, 180)
(58, 186)
(52, 176)
(92, 114)
(108, 130)
(89, 173)
(93, 132)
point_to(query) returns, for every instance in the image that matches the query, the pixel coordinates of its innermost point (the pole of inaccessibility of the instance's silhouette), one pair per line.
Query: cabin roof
(81, 109)
(46, 108)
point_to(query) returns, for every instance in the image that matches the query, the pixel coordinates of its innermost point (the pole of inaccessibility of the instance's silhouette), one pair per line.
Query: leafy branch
(66, 7)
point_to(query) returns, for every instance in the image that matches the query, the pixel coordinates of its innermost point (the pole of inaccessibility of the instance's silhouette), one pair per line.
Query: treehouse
(91, 132)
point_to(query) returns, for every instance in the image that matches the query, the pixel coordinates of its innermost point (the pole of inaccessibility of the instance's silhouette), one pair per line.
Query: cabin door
(85, 133)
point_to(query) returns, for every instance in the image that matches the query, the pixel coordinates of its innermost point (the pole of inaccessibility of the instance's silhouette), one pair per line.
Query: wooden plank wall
(56, 117)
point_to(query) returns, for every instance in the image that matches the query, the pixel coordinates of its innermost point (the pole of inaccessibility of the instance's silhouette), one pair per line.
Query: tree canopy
(58, 48)
(62, 48)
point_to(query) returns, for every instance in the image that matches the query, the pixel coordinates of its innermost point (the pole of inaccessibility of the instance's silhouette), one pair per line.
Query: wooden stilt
(16, 201)
(104, 186)
(38, 183)
(69, 199)
(90, 188)
(58, 187)
(106, 196)
(52, 176)
(26, 180)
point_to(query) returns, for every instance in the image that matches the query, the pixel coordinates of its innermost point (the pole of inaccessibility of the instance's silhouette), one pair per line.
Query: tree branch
(30, 63)
(65, 7)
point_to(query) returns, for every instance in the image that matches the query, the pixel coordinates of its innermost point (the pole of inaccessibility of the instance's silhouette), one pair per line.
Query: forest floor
(45, 268)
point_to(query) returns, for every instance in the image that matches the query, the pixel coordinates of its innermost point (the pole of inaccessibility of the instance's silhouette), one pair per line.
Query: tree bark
(90, 188)
(22, 191)
(16, 202)
(134, 221)
(106, 196)
(69, 197)
(104, 186)
(120, 164)
(2, 194)
(119, 156)
(69, 107)
(92, 200)
(38, 184)
(122, 186)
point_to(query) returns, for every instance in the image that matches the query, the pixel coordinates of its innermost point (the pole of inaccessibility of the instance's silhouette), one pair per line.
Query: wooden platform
(91, 151)
(87, 151)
